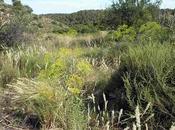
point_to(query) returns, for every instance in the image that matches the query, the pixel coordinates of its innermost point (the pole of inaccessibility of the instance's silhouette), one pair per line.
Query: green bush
(85, 28)
(72, 32)
(19, 21)
(65, 31)
(60, 30)
(147, 74)
(153, 31)
(125, 33)
(69, 69)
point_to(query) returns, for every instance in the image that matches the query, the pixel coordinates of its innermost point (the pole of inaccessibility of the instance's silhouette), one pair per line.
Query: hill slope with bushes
(110, 69)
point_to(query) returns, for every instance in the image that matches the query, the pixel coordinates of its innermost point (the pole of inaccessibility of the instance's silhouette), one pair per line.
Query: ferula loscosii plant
(69, 68)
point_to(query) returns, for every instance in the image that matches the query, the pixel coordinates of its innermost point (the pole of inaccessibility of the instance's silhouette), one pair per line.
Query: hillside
(111, 69)
(99, 18)
(81, 17)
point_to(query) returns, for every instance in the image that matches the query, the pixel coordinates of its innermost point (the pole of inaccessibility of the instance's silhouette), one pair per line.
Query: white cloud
(168, 4)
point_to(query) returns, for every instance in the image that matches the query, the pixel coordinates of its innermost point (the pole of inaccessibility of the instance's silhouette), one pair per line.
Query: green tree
(132, 12)
(14, 22)
(17, 5)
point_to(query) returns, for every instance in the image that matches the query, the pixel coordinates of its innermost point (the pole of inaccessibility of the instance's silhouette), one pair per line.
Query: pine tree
(132, 12)
(16, 3)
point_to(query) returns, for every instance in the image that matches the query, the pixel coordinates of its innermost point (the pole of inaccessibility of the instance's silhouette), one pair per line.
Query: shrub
(72, 32)
(146, 74)
(125, 33)
(85, 28)
(19, 21)
(69, 69)
(11, 35)
(74, 83)
(60, 30)
(152, 31)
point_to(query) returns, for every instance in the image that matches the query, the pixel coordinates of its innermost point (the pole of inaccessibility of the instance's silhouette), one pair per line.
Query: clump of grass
(22, 62)
(8, 70)
(54, 107)
(7, 75)
(146, 74)
(102, 118)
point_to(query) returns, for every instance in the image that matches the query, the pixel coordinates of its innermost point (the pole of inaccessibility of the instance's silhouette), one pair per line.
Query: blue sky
(68, 6)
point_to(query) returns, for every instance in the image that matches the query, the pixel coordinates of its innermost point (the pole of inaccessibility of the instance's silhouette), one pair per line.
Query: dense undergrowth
(146, 74)
(53, 76)
(89, 87)
(51, 84)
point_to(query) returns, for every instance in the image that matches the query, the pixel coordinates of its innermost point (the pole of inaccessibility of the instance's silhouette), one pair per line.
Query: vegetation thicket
(98, 69)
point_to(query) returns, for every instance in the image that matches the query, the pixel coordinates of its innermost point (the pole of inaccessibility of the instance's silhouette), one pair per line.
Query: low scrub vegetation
(87, 75)
(146, 74)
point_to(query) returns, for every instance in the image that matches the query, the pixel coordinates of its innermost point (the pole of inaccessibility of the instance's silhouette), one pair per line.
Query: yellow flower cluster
(69, 68)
